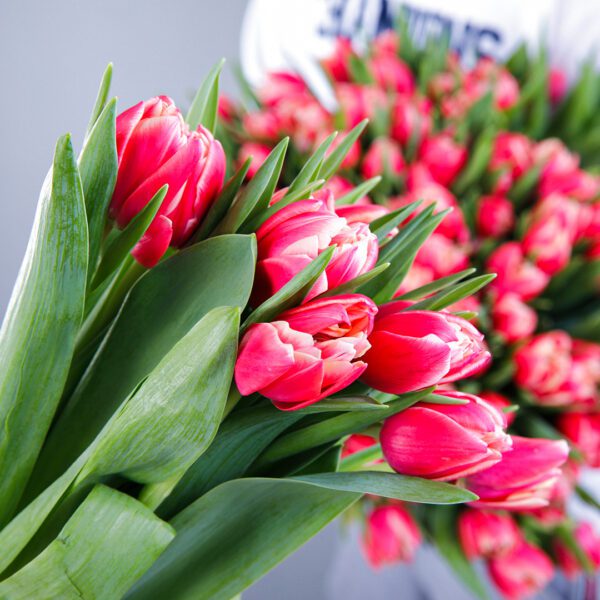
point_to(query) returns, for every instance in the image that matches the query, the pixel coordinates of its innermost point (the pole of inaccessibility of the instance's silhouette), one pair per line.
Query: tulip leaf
(246, 89)
(154, 319)
(37, 338)
(435, 286)
(124, 242)
(358, 192)
(235, 534)
(384, 225)
(101, 97)
(332, 163)
(351, 286)
(311, 168)
(204, 106)
(98, 168)
(478, 161)
(108, 543)
(343, 404)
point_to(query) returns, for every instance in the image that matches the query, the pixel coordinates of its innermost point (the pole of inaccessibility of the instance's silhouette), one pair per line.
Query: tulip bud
(557, 85)
(411, 120)
(487, 534)
(294, 236)
(488, 74)
(156, 147)
(308, 353)
(384, 157)
(258, 152)
(411, 350)
(337, 65)
(524, 478)
(521, 573)
(583, 430)
(357, 442)
(500, 403)
(495, 216)
(359, 102)
(589, 543)
(391, 73)
(391, 535)
(363, 213)
(445, 442)
(513, 319)
(512, 156)
(444, 157)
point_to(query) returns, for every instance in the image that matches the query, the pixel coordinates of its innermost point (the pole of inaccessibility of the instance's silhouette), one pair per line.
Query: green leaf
(101, 97)
(437, 285)
(235, 534)
(344, 404)
(98, 169)
(351, 286)
(392, 485)
(383, 226)
(247, 92)
(452, 295)
(38, 334)
(332, 163)
(478, 161)
(310, 170)
(154, 319)
(204, 106)
(108, 543)
(292, 293)
(121, 245)
(358, 192)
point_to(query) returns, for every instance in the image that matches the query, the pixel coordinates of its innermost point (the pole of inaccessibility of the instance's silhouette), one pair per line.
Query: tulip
(352, 157)
(411, 350)
(391, 73)
(500, 403)
(386, 42)
(357, 442)
(308, 353)
(521, 573)
(443, 157)
(515, 273)
(281, 86)
(411, 120)
(557, 85)
(486, 75)
(513, 319)
(156, 147)
(445, 442)
(577, 184)
(361, 213)
(512, 156)
(495, 216)
(391, 536)
(384, 157)
(358, 102)
(583, 430)
(264, 125)
(524, 478)
(257, 152)
(487, 534)
(337, 65)
(291, 238)
(589, 543)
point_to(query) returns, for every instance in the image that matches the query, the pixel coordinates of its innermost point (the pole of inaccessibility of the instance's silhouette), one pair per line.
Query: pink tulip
(386, 42)
(391, 536)
(337, 65)
(156, 147)
(352, 157)
(577, 184)
(290, 239)
(583, 430)
(444, 157)
(512, 156)
(391, 73)
(358, 102)
(495, 216)
(557, 85)
(445, 442)
(515, 273)
(411, 350)
(226, 109)
(264, 125)
(487, 534)
(411, 120)
(384, 157)
(521, 573)
(500, 403)
(442, 256)
(589, 542)
(363, 213)
(512, 318)
(281, 86)
(556, 159)
(524, 478)
(258, 152)
(308, 353)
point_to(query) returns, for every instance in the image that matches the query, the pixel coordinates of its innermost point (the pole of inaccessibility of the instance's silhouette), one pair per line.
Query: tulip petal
(154, 243)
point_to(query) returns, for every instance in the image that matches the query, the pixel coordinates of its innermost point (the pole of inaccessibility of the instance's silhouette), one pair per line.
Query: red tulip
(524, 478)
(443, 157)
(391, 535)
(588, 541)
(384, 157)
(308, 353)
(257, 151)
(500, 403)
(411, 350)
(487, 534)
(386, 42)
(411, 120)
(281, 86)
(445, 442)
(488, 74)
(583, 430)
(391, 73)
(557, 85)
(513, 319)
(337, 65)
(512, 156)
(358, 102)
(521, 573)
(156, 147)
(495, 216)
(264, 125)
(357, 442)
(290, 239)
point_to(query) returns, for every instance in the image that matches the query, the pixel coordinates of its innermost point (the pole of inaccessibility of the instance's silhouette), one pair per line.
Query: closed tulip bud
(557, 85)
(512, 318)
(308, 353)
(294, 236)
(280, 86)
(156, 147)
(358, 102)
(362, 213)
(386, 42)
(384, 157)
(524, 478)
(589, 543)
(445, 442)
(512, 156)
(577, 184)
(411, 120)
(411, 350)
(264, 125)
(338, 64)
(515, 274)
(441, 256)
(444, 157)
(391, 535)
(391, 73)
(522, 572)
(495, 216)
(357, 442)
(487, 534)
(555, 158)
(583, 430)
(500, 403)
(258, 153)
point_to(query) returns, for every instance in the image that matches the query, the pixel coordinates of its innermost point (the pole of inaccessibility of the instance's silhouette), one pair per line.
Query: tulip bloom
(411, 120)
(495, 216)
(513, 319)
(294, 236)
(445, 442)
(308, 353)
(588, 541)
(500, 403)
(411, 350)
(357, 442)
(256, 152)
(524, 478)
(521, 573)
(512, 156)
(443, 157)
(155, 147)
(583, 430)
(487, 534)
(391, 535)
(384, 157)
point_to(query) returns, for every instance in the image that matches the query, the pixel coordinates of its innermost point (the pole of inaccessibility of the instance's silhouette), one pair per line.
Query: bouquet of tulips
(188, 350)
(507, 157)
